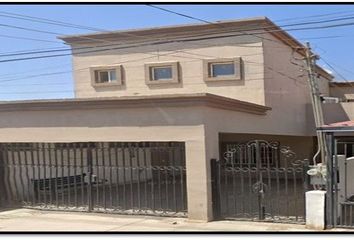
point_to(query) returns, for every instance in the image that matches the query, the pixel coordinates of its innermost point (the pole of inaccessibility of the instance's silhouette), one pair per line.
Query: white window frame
(98, 69)
(149, 73)
(208, 72)
(108, 71)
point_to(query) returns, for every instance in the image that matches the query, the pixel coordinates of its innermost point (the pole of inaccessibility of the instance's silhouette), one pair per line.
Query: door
(260, 181)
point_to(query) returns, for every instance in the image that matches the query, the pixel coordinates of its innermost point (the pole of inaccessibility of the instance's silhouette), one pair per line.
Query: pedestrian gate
(340, 184)
(132, 178)
(259, 181)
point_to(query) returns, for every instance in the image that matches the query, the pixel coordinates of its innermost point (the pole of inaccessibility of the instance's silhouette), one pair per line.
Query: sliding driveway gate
(130, 178)
(259, 181)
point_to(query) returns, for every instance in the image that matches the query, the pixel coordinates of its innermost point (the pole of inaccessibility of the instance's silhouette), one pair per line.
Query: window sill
(103, 85)
(221, 79)
(162, 82)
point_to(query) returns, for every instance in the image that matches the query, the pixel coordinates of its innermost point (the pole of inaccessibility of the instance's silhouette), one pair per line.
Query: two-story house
(152, 107)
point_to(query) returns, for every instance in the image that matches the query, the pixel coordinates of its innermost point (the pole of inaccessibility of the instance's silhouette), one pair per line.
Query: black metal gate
(131, 178)
(340, 182)
(259, 181)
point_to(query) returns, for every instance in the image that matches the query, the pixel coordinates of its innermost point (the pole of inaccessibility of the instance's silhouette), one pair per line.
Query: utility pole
(316, 100)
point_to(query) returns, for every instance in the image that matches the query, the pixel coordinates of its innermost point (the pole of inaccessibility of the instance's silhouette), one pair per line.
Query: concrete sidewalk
(37, 220)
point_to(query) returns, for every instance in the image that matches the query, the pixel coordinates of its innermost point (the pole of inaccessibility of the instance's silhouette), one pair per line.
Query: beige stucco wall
(270, 78)
(286, 87)
(190, 56)
(148, 124)
(343, 92)
(197, 126)
(339, 112)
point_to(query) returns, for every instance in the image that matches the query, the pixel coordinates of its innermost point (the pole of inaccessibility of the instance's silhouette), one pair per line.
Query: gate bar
(214, 166)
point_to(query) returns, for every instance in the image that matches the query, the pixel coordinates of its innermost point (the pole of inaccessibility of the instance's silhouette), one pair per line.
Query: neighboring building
(343, 90)
(199, 85)
(344, 111)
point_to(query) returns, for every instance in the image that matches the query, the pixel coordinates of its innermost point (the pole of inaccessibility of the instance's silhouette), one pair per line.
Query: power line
(98, 50)
(136, 87)
(26, 38)
(123, 47)
(181, 14)
(132, 60)
(313, 16)
(65, 24)
(36, 92)
(218, 24)
(41, 69)
(253, 34)
(194, 43)
(64, 54)
(29, 50)
(29, 29)
(205, 21)
(296, 24)
(64, 49)
(38, 84)
(47, 21)
(320, 21)
(339, 66)
(337, 72)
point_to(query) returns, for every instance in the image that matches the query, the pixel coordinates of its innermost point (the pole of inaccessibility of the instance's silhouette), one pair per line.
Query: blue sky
(20, 80)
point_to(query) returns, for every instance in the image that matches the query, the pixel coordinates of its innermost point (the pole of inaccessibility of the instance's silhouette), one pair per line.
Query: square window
(106, 76)
(161, 73)
(222, 69)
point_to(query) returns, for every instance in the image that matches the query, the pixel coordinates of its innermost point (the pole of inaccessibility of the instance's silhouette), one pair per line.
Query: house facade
(199, 85)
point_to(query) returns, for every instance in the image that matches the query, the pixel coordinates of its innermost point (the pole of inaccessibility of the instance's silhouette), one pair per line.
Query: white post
(315, 209)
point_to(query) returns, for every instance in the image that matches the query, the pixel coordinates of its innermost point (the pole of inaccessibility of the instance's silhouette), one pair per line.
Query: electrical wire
(30, 39)
(133, 60)
(90, 51)
(49, 21)
(313, 16)
(85, 37)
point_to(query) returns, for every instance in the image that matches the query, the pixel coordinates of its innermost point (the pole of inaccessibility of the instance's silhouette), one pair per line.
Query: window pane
(112, 76)
(160, 73)
(106, 76)
(103, 77)
(223, 69)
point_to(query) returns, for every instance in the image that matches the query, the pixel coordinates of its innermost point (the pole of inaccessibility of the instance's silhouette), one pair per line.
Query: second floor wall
(192, 61)
(266, 71)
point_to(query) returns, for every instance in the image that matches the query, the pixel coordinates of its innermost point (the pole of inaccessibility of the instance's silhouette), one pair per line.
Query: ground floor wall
(153, 124)
(200, 128)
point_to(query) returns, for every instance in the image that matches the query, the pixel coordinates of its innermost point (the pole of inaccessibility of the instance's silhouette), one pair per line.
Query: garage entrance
(116, 177)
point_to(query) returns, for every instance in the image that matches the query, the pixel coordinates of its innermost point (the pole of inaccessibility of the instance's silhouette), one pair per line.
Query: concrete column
(199, 192)
(315, 209)
(198, 189)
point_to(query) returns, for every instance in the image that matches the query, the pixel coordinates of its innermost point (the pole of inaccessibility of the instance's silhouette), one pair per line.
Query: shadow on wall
(175, 46)
(334, 112)
(226, 83)
(105, 117)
